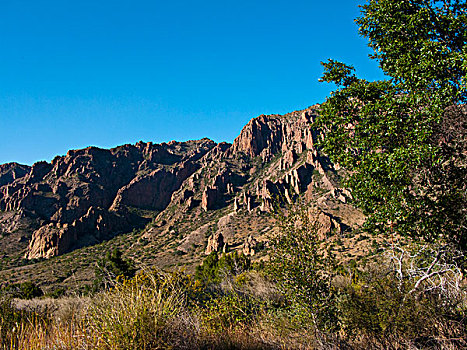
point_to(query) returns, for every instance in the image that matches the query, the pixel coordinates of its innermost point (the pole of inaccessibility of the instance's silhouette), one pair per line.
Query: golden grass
(150, 312)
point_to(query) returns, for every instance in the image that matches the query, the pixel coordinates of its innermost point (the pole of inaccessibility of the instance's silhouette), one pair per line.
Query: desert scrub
(303, 268)
(215, 269)
(228, 312)
(25, 290)
(135, 314)
(375, 308)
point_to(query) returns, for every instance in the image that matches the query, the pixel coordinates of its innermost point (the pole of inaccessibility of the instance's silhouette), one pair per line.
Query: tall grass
(149, 311)
(173, 311)
(135, 314)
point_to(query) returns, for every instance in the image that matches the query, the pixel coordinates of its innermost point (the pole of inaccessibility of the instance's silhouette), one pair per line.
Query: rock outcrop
(66, 193)
(10, 172)
(55, 238)
(267, 135)
(92, 194)
(211, 198)
(154, 190)
(215, 243)
(325, 223)
(249, 246)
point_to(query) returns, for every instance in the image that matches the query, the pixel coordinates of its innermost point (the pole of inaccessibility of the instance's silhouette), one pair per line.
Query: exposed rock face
(248, 201)
(12, 171)
(288, 160)
(92, 194)
(325, 223)
(190, 204)
(67, 193)
(10, 222)
(215, 243)
(236, 205)
(260, 135)
(266, 135)
(249, 246)
(211, 198)
(153, 191)
(55, 238)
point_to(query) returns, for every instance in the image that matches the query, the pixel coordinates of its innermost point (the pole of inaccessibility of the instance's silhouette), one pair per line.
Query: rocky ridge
(208, 196)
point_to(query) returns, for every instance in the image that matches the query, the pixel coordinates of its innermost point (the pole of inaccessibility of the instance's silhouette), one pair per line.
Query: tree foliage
(403, 139)
(117, 265)
(304, 268)
(215, 268)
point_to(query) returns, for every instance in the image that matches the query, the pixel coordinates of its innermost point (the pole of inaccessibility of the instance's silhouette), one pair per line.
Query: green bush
(214, 269)
(110, 268)
(115, 264)
(25, 290)
(228, 312)
(304, 269)
(30, 290)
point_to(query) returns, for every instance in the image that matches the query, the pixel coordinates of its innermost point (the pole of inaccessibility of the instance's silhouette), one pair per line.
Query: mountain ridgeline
(200, 191)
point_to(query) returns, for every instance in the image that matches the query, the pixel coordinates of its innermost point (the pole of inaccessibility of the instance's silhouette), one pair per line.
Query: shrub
(215, 269)
(110, 268)
(25, 290)
(228, 312)
(30, 290)
(304, 270)
(115, 264)
(135, 314)
(377, 305)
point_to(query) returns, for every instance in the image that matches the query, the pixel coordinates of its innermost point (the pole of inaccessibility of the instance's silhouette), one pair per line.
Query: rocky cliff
(83, 197)
(202, 191)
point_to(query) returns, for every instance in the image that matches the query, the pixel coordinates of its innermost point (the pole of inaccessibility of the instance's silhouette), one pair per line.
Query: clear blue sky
(104, 73)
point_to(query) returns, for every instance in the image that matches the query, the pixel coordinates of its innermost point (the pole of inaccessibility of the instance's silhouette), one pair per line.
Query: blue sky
(104, 73)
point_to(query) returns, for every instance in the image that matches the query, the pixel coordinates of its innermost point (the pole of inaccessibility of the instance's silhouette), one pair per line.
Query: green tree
(207, 271)
(403, 139)
(110, 268)
(118, 266)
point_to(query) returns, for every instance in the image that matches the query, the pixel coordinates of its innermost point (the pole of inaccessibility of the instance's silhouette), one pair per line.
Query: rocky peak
(10, 172)
(266, 135)
(92, 194)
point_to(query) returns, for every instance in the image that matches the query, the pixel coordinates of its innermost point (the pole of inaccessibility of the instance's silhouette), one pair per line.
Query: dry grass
(143, 313)
(153, 312)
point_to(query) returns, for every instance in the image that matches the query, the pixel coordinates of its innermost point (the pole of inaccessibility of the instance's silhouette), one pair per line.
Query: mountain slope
(184, 199)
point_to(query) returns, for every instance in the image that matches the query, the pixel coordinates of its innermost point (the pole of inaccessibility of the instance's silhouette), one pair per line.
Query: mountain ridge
(202, 195)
